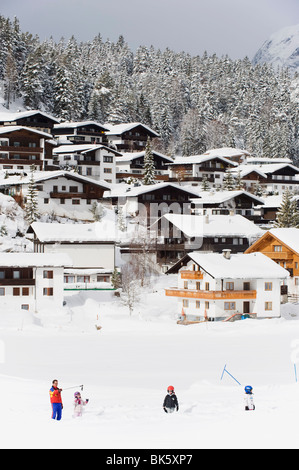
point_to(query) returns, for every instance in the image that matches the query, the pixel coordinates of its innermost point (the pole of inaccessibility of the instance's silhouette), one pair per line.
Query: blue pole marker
(295, 367)
(225, 370)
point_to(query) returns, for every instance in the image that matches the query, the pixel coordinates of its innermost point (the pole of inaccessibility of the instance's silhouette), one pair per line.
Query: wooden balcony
(187, 274)
(211, 295)
(278, 255)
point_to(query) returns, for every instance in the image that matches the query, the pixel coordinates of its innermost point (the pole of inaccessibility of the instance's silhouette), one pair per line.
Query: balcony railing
(211, 295)
(191, 274)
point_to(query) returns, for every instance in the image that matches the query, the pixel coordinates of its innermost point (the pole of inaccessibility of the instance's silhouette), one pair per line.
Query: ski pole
(76, 386)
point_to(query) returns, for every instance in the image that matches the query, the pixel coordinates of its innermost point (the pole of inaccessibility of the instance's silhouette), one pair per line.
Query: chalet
(236, 155)
(178, 234)
(131, 165)
(32, 281)
(21, 147)
(94, 161)
(282, 246)
(129, 137)
(151, 201)
(194, 168)
(274, 178)
(83, 132)
(91, 248)
(34, 119)
(213, 286)
(60, 193)
(226, 202)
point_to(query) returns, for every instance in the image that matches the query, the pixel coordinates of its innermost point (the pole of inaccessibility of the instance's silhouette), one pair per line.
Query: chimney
(207, 219)
(226, 253)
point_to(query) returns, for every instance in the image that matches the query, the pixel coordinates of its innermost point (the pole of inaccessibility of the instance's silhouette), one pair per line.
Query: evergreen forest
(195, 103)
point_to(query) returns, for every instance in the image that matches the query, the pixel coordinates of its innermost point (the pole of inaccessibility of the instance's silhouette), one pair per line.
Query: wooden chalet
(36, 119)
(131, 165)
(83, 132)
(282, 246)
(129, 137)
(21, 147)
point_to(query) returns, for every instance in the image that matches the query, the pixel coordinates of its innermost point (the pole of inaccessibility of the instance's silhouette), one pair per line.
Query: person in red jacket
(56, 400)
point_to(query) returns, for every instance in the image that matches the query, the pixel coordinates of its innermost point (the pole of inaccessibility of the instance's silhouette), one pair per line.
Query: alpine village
(118, 167)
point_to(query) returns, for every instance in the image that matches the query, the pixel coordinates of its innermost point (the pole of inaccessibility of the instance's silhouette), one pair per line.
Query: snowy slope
(127, 366)
(281, 49)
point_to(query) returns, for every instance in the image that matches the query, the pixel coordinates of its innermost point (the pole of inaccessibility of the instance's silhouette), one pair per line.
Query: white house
(61, 193)
(32, 281)
(222, 286)
(91, 247)
(94, 161)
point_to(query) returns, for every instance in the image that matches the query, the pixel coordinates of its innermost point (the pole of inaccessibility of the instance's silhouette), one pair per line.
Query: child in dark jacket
(170, 401)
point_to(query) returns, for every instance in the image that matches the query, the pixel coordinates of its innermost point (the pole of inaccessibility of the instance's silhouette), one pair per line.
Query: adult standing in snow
(56, 400)
(170, 401)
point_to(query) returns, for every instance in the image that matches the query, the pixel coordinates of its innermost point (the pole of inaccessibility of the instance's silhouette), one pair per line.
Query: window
(207, 305)
(83, 279)
(268, 285)
(48, 291)
(46, 200)
(48, 274)
(230, 286)
(107, 159)
(25, 291)
(296, 281)
(2, 291)
(198, 286)
(16, 275)
(107, 170)
(2, 275)
(268, 306)
(277, 248)
(185, 303)
(69, 279)
(197, 303)
(73, 189)
(24, 307)
(76, 202)
(229, 305)
(207, 286)
(62, 200)
(16, 291)
(88, 171)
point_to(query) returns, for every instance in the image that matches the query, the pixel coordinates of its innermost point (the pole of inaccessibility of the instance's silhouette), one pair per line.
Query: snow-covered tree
(228, 182)
(149, 167)
(288, 214)
(31, 206)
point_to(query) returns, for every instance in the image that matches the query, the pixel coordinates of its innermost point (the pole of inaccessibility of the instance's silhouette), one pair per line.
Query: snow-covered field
(126, 367)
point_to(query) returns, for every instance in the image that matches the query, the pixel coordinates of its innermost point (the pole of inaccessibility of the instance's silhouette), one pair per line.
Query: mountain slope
(281, 49)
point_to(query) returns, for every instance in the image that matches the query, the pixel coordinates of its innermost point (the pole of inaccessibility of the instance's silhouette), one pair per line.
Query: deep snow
(126, 367)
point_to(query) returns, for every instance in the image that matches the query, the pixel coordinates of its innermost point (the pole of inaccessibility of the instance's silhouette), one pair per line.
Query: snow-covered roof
(119, 129)
(40, 176)
(198, 159)
(126, 190)
(263, 169)
(239, 266)
(82, 148)
(21, 260)
(74, 125)
(104, 231)
(214, 225)
(218, 197)
(9, 129)
(10, 117)
(128, 157)
(228, 152)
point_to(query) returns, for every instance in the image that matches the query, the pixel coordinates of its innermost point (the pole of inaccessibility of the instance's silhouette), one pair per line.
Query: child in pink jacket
(78, 404)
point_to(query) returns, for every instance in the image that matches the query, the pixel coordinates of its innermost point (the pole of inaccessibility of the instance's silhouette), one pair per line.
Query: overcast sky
(234, 27)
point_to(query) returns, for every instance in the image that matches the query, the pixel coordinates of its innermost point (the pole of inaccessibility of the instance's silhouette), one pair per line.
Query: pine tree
(149, 168)
(228, 182)
(31, 207)
(205, 185)
(288, 214)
